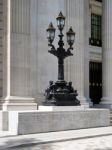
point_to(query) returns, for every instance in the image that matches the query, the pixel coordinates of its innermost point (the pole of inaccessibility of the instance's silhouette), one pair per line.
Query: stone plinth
(28, 122)
(62, 108)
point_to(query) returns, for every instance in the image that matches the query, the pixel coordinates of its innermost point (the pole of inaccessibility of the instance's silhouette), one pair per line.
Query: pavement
(5, 134)
(58, 140)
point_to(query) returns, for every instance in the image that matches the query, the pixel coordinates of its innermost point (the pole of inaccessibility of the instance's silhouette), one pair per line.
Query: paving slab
(44, 138)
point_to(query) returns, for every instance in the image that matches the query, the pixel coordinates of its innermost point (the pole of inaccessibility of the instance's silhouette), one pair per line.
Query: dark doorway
(95, 78)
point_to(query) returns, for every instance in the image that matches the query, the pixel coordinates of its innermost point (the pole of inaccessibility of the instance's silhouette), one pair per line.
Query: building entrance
(95, 79)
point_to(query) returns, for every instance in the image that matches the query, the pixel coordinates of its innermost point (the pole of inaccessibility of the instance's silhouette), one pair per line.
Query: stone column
(75, 64)
(87, 28)
(107, 53)
(17, 75)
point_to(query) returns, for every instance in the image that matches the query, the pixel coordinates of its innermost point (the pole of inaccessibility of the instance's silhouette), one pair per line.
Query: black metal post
(60, 69)
(60, 58)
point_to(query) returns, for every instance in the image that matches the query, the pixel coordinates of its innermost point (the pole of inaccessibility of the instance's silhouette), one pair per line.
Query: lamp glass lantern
(60, 21)
(51, 32)
(70, 36)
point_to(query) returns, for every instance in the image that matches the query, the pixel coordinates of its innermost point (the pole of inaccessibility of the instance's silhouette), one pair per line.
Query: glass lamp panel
(52, 35)
(68, 38)
(72, 38)
(48, 34)
(60, 22)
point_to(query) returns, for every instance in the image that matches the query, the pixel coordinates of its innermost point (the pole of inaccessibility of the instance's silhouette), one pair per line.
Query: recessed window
(95, 30)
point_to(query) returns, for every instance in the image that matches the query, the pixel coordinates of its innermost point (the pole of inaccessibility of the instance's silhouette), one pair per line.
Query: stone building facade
(25, 64)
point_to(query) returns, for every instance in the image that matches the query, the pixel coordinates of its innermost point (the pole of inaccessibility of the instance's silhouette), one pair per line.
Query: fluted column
(107, 53)
(75, 65)
(17, 75)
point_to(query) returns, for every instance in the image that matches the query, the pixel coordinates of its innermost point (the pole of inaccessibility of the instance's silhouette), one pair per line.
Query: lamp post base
(61, 93)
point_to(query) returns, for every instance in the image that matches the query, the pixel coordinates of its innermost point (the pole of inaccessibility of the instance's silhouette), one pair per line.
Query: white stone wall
(43, 12)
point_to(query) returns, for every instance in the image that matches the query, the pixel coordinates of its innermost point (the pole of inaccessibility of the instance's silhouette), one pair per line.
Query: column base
(83, 101)
(90, 102)
(106, 102)
(18, 103)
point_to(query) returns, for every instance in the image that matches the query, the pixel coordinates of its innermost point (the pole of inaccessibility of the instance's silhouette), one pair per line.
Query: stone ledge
(24, 122)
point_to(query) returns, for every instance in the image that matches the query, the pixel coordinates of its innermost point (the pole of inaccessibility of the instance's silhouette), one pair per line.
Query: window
(95, 30)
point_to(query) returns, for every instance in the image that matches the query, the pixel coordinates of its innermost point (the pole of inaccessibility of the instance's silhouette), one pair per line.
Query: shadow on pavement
(24, 144)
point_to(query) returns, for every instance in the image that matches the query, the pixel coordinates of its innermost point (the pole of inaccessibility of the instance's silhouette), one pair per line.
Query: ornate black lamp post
(60, 93)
